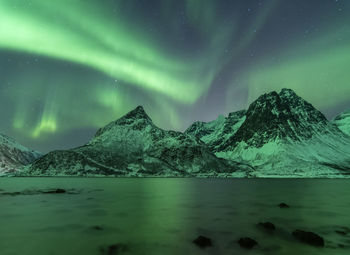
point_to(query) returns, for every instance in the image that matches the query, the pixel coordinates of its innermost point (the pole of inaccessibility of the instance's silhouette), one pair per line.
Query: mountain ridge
(279, 135)
(134, 146)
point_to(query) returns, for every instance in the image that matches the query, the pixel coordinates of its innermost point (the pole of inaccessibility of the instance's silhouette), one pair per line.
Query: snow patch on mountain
(342, 121)
(320, 157)
(217, 132)
(14, 156)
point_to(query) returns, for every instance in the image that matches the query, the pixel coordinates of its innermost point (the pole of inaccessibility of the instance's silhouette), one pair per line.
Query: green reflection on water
(163, 216)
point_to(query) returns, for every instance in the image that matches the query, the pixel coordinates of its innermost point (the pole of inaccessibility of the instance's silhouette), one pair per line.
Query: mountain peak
(274, 97)
(139, 109)
(287, 93)
(280, 115)
(138, 115)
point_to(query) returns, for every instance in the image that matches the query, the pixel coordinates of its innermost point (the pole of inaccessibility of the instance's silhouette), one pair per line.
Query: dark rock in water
(38, 192)
(342, 230)
(283, 205)
(247, 242)
(12, 193)
(267, 225)
(97, 227)
(346, 229)
(55, 191)
(308, 237)
(203, 242)
(343, 233)
(114, 249)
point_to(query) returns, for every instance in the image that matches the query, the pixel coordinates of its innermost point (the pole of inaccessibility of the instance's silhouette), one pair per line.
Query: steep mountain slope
(342, 121)
(134, 146)
(13, 155)
(284, 136)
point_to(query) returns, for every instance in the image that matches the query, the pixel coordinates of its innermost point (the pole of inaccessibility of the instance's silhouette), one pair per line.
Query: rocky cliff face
(13, 155)
(134, 146)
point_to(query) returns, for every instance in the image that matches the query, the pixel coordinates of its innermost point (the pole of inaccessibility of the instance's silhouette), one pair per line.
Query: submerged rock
(267, 225)
(54, 191)
(283, 205)
(343, 233)
(247, 242)
(342, 230)
(114, 249)
(96, 227)
(203, 242)
(37, 192)
(16, 193)
(308, 237)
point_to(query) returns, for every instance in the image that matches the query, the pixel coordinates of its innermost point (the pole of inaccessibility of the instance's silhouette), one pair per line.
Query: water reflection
(163, 216)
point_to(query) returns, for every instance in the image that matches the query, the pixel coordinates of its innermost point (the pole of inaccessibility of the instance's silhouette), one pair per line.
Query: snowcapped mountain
(342, 121)
(13, 155)
(134, 146)
(217, 132)
(281, 135)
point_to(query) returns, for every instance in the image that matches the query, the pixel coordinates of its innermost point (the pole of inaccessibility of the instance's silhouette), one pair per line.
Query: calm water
(163, 216)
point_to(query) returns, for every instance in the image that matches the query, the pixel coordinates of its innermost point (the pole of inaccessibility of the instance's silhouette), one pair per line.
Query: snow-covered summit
(280, 115)
(137, 115)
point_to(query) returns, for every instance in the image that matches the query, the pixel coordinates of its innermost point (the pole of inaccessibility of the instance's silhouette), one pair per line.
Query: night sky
(69, 67)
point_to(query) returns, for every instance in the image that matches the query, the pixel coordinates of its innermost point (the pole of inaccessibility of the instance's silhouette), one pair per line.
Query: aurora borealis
(69, 67)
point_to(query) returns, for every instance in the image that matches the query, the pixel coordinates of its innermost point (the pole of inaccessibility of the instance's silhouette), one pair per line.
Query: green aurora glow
(73, 65)
(317, 71)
